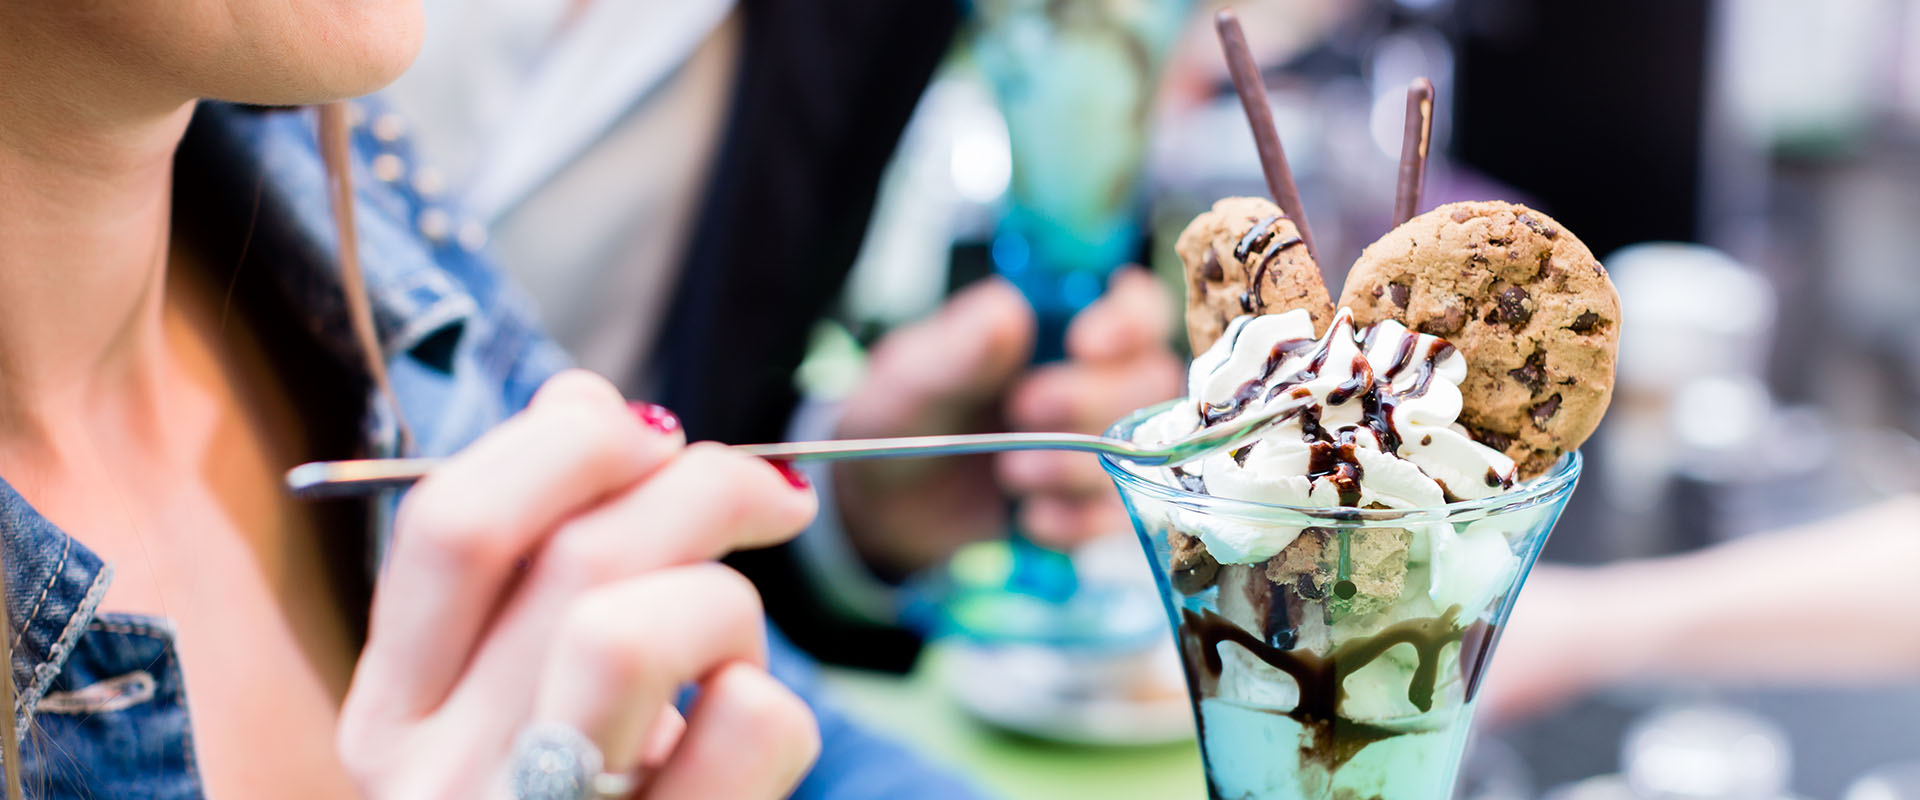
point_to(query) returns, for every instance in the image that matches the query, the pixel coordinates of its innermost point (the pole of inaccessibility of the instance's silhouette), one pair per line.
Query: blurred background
(1748, 169)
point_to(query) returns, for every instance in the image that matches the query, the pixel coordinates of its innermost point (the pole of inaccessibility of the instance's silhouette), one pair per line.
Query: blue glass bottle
(1075, 81)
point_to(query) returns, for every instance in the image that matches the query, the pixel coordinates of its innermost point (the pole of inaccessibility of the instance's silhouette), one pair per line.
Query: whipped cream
(1373, 425)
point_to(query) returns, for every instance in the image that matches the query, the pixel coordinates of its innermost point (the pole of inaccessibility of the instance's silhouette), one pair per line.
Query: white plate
(1118, 699)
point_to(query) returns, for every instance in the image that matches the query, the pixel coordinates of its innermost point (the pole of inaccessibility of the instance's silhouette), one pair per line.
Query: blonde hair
(10, 738)
(336, 151)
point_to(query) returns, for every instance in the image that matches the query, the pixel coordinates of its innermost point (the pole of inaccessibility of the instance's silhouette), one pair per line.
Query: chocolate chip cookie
(1529, 307)
(1246, 257)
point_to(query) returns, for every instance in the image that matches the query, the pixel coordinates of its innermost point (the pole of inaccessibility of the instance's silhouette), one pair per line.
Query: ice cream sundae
(1336, 583)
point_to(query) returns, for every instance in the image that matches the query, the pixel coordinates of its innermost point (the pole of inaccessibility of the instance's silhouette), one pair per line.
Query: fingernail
(656, 417)
(792, 473)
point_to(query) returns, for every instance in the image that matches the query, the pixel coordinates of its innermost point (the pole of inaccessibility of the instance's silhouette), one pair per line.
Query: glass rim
(1550, 487)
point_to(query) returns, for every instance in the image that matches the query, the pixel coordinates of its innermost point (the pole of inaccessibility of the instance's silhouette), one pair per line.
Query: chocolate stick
(1266, 138)
(1414, 141)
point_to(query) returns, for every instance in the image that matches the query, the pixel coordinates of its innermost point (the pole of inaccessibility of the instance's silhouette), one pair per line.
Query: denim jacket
(101, 706)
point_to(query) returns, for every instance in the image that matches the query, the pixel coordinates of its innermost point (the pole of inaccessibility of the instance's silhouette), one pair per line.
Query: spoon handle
(909, 446)
(360, 476)
(318, 479)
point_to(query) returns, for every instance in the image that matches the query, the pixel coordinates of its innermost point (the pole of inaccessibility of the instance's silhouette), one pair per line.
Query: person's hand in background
(1563, 640)
(966, 370)
(560, 570)
(1739, 613)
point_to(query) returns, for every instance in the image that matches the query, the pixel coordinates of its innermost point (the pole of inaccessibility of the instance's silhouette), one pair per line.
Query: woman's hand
(966, 370)
(560, 570)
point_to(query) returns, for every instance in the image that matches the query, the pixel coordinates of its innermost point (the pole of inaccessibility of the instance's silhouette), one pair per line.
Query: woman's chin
(337, 63)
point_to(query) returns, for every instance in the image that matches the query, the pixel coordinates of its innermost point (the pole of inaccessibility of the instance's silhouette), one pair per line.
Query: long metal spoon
(341, 478)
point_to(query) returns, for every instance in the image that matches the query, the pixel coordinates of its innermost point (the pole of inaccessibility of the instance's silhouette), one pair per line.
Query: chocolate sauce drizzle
(1334, 738)
(1251, 300)
(1437, 351)
(1336, 461)
(1255, 238)
(1332, 453)
(1214, 415)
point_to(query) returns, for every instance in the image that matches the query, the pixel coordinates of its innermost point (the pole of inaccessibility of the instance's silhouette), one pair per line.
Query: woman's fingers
(1083, 398)
(1087, 397)
(462, 533)
(1134, 316)
(928, 376)
(662, 739)
(705, 503)
(710, 501)
(1120, 364)
(747, 737)
(1070, 476)
(559, 569)
(623, 651)
(1063, 523)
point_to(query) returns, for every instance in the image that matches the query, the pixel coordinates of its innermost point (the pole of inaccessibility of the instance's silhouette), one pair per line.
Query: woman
(174, 337)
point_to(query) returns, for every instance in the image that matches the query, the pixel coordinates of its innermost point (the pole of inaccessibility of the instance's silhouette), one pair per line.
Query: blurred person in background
(176, 339)
(684, 185)
(1829, 603)
(1780, 133)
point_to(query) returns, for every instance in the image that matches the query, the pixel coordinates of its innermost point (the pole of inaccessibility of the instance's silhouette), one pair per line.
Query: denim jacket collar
(414, 299)
(53, 586)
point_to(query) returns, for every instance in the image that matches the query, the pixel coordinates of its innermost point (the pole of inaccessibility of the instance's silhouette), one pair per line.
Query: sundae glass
(1336, 583)
(1346, 665)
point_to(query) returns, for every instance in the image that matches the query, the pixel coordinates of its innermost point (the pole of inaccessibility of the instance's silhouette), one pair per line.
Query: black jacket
(824, 89)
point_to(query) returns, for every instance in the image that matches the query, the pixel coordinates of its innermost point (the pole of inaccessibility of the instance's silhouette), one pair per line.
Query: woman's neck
(85, 199)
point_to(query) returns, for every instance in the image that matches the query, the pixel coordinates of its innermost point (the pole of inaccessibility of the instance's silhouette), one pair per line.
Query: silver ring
(555, 761)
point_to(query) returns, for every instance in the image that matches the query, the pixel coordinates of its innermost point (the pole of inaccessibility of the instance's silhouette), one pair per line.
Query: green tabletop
(914, 709)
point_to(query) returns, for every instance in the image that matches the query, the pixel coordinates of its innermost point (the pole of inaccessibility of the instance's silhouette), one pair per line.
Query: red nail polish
(791, 473)
(656, 417)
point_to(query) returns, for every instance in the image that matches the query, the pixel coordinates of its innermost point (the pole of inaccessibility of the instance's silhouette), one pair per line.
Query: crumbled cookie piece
(1376, 567)
(1192, 567)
